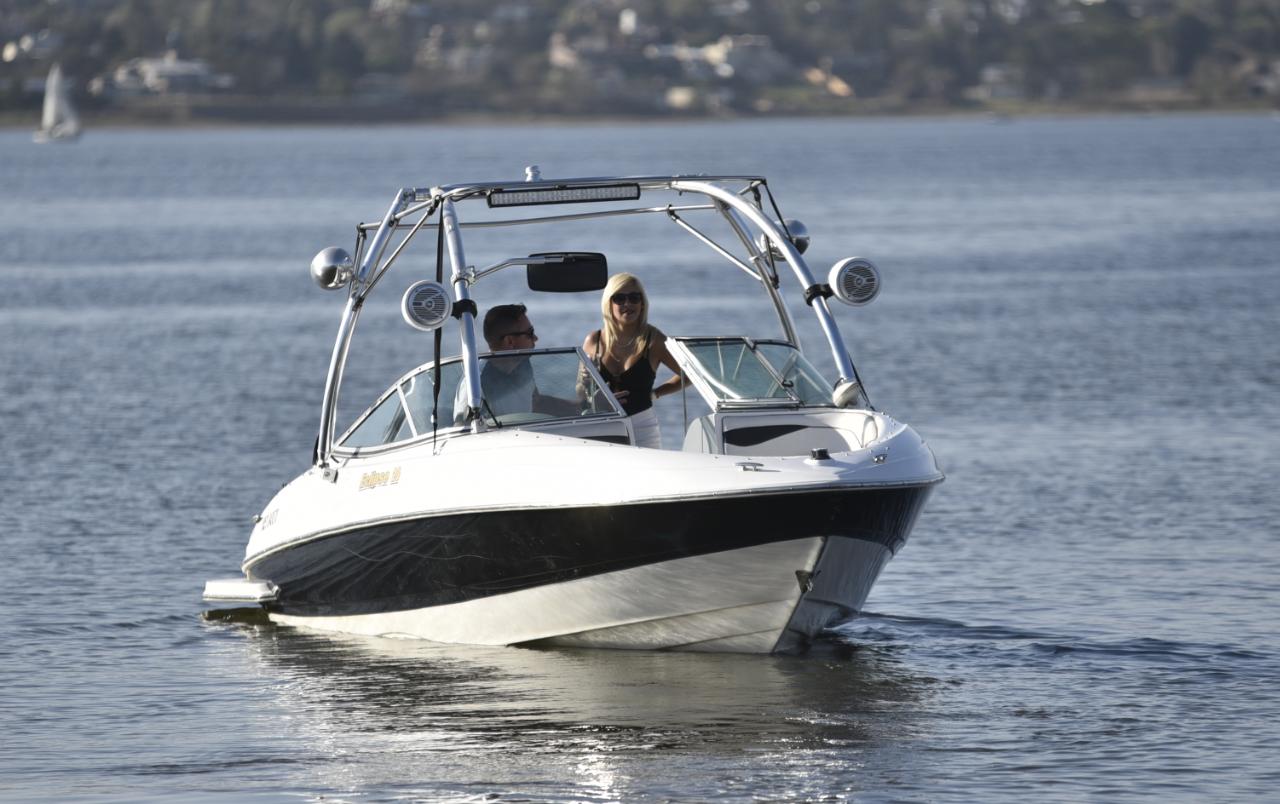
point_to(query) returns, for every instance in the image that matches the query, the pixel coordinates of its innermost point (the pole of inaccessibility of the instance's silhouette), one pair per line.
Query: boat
(58, 120)
(770, 522)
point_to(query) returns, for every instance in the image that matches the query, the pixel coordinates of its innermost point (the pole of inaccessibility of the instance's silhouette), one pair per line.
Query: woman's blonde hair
(611, 329)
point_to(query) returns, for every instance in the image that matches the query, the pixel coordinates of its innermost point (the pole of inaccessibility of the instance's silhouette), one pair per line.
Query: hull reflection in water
(442, 721)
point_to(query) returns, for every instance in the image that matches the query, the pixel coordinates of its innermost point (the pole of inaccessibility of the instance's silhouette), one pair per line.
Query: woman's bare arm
(662, 356)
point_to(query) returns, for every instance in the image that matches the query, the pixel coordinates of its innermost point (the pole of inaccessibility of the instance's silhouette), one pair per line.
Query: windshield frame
(714, 392)
(455, 428)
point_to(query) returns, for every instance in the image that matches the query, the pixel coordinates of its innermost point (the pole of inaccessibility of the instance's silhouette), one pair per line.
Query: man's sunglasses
(528, 333)
(623, 298)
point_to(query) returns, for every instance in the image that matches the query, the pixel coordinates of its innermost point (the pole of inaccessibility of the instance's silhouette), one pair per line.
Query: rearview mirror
(569, 272)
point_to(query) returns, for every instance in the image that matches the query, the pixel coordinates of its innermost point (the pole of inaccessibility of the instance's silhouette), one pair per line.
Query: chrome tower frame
(741, 208)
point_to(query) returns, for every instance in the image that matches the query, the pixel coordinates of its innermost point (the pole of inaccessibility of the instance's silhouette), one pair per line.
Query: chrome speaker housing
(799, 238)
(848, 394)
(332, 268)
(799, 234)
(426, 305)
(854, 281)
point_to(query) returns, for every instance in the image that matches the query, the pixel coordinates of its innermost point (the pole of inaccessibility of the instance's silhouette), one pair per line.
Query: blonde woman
(627, 350)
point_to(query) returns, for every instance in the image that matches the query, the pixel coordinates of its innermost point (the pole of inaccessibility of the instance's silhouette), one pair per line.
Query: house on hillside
(747, 57)
(167, 75)
(997, 82)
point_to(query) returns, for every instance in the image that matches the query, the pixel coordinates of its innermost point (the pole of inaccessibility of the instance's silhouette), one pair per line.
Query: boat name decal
(371, 480)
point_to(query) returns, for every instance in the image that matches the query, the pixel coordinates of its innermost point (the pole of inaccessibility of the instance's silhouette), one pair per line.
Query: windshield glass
(518, 387)
(530, 386)
(804, 380)
(737, 370)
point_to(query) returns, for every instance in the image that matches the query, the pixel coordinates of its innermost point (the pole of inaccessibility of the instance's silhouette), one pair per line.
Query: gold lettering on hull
(373, 480)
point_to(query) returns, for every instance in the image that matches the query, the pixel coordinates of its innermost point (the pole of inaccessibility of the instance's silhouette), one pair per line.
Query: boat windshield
(739, 371)
(518, 388)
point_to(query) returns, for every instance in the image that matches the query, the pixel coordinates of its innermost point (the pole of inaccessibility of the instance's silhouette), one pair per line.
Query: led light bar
(564, 195)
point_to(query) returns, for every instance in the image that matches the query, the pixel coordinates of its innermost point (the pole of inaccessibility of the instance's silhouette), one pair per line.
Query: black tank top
(637, 380)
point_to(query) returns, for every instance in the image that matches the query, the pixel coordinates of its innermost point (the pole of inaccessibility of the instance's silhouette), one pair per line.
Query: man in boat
(507, 382)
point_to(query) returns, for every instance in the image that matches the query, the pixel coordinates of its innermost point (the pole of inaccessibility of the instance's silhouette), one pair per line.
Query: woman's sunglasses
(623, 298)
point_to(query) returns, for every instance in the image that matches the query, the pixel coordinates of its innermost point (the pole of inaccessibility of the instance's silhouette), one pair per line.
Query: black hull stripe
(783, 491)
(455, 558)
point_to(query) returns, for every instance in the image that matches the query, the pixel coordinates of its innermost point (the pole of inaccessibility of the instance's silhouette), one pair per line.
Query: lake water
(1080, 315)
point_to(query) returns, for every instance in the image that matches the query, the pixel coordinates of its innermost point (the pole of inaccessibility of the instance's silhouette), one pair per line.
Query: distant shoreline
(319, 117)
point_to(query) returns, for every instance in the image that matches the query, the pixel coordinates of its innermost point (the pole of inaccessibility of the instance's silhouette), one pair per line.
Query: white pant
(645, 426)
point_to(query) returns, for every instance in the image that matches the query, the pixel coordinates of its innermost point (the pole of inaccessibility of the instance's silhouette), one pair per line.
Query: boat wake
(898, 632)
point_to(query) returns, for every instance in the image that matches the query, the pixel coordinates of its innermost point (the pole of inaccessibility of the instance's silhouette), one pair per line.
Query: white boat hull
(749, 556)
(744, 601)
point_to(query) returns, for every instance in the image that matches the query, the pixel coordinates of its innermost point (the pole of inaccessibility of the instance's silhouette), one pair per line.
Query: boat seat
(784, 439)
(778, 433)
(611, 431)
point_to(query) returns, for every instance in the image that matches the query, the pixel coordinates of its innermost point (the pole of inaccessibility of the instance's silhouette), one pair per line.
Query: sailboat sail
(58, 120)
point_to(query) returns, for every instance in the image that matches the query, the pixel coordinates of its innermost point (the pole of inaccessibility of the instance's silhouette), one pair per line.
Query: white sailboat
(59, 121)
